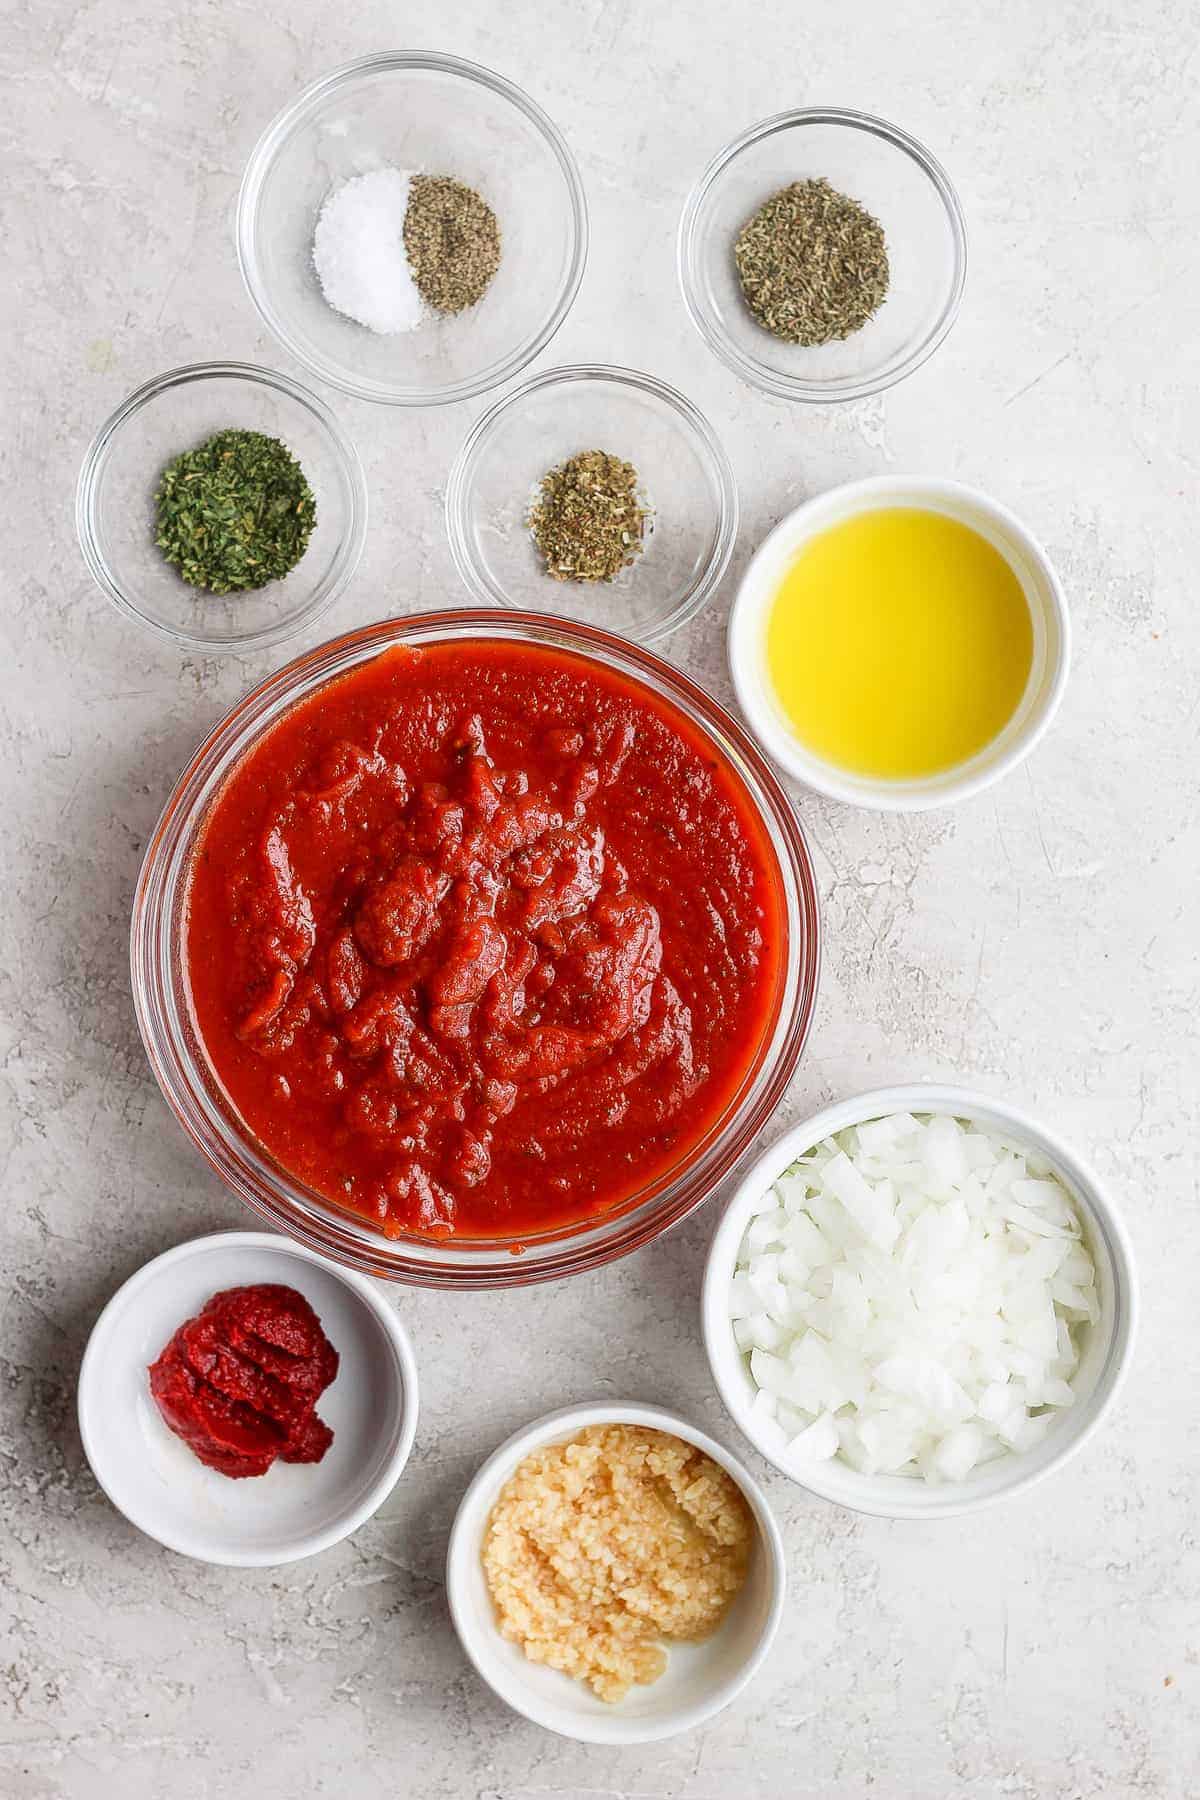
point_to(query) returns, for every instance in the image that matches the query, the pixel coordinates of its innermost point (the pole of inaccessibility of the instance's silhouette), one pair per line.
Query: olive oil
(899, 643)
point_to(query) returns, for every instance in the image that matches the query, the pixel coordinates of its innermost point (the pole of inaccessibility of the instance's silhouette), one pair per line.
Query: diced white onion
(911, 1297)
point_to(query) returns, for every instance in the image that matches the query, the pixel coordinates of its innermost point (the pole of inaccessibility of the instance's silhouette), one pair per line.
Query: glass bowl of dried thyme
(594, 493)
(223, 505)
(822, 255)
(412, 228)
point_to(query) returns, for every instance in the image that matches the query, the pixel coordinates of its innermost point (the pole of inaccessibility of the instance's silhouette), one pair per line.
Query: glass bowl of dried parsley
(223, 505)
(412, 228)
(822, 255)
(594, 493)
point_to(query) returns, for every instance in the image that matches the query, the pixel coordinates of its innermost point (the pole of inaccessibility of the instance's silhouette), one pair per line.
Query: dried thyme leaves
(813, 264)
(587, 520)
(452, 241)
(235, 513)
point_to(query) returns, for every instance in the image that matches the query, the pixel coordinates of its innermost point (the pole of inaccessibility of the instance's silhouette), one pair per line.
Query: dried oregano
(587, 519)
(452, 241)
(235, 513)
(813, 264)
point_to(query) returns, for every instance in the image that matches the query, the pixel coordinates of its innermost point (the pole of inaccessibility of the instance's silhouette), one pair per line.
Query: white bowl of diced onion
(919, 1302)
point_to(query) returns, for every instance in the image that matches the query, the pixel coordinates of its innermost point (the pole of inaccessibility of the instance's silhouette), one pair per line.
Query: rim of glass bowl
(177, 1060)
(688, 254)
(280, 129)
(462, 475)
(354, 491)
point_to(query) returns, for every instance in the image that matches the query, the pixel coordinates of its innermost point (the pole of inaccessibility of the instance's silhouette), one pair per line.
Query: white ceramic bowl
(1047, 675)
(294, 1510)
(699, 1679)
(1107, 1347)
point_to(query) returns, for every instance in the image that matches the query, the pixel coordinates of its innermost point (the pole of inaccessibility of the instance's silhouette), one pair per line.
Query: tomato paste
(240, 1382)
(482, 939)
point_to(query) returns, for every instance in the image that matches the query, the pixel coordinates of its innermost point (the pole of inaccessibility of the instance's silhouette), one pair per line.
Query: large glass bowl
(441, 116)
(889, 173)
(178, 1060)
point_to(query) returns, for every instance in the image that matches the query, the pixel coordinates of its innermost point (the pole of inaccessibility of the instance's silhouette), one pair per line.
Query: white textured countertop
(1039, 942)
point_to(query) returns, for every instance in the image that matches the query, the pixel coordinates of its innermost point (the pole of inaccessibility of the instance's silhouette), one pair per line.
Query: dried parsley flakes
(813, 264)
(587, 520)
(235, 513)
(452, 241)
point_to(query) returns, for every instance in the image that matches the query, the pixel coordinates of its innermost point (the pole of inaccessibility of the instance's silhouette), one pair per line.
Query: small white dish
(294, 1510)
(1051, 641)
(1107, 1347)
(699, 1680)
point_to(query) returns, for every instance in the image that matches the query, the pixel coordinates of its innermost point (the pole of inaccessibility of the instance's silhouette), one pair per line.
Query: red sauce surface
(481, 939)
(239, 1383)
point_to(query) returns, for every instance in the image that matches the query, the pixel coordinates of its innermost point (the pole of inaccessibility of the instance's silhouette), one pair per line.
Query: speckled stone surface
(1039, 942)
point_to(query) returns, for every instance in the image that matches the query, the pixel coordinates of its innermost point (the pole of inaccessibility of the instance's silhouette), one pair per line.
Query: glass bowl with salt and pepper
(412, 228)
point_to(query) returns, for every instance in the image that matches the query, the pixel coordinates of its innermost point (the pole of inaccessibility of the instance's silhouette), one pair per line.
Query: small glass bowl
(684, 475)
(897, 180)
(181, 1068)
(431, 114)
(115, 515)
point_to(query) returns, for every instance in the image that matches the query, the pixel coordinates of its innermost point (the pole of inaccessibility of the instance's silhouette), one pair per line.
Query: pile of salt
(359, 255)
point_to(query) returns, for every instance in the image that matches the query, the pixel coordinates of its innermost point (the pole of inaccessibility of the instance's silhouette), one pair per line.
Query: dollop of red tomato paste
(482, 938)
(240, 1382)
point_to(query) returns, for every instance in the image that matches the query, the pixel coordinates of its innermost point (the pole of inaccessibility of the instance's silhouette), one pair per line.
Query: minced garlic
(599, 1548)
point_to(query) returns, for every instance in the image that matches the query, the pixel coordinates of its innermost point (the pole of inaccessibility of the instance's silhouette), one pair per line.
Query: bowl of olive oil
(899, 643)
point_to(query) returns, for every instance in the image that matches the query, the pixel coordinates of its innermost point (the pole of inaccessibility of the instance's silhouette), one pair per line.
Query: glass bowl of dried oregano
(412, 227)
(822, 255)
(594, 493)
(223, 505)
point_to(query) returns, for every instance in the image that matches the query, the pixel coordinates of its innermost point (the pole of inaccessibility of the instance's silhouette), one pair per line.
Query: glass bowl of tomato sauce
(475, 950)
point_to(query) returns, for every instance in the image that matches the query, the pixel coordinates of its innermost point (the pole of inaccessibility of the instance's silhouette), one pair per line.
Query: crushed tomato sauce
(482, 938)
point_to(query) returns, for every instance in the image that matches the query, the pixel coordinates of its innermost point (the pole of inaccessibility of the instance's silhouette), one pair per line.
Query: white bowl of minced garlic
(614, 1574)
